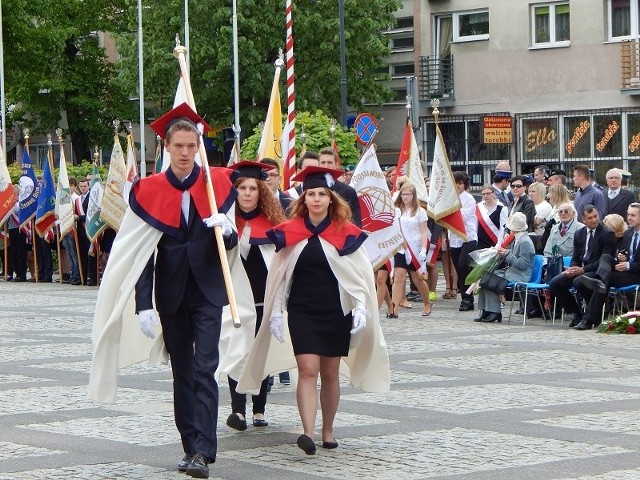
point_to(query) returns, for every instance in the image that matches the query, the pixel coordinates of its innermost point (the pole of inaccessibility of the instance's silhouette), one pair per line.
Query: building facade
(563, 78)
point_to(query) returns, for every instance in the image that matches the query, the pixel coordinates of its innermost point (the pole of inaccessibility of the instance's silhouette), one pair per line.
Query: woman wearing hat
(322, 309)
(257, 211)
(519, 257)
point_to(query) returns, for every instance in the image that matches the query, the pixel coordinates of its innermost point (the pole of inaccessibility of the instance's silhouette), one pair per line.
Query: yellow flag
(271, 141)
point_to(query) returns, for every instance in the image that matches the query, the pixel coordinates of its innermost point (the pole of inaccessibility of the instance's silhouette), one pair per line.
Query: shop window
(540, 140)
(607, 136)
(577, 132)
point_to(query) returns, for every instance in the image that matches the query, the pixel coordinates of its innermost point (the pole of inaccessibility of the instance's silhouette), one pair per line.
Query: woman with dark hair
(522, 202)
(257, 211)
(322, 308)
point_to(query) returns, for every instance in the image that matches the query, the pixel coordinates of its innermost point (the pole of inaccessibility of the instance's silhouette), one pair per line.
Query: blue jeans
(70, 246)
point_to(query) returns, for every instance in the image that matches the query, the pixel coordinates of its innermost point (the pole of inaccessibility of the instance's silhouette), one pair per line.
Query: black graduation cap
(249, 169)
(349, 168)
(181, 112)
(314, 177)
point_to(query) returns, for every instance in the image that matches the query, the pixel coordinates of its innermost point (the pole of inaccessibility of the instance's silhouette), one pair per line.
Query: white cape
(367, 364)
(116, 336)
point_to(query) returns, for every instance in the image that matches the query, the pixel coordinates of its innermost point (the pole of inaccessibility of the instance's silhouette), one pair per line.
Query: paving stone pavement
(468, 401)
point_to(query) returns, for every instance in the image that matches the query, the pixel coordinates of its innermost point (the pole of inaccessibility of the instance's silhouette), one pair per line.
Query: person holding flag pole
(172, 213)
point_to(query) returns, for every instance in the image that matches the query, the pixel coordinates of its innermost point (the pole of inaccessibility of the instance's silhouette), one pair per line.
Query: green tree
(55, 66)
(261, 33)
(318, 135)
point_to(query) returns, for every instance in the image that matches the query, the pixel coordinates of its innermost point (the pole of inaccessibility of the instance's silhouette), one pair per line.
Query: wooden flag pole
(75, 241)
(34, 249)
(59, 253)
(6, 252)
(179, 52)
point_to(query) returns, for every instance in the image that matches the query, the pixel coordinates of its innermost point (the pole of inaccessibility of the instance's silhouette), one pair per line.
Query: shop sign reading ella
(497, 129)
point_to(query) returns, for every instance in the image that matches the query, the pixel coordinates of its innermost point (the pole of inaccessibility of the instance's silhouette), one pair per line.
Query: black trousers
(462, 264)
(191, 335)
(559, 287)
(45, 260)
(18, 253)
(239, 400)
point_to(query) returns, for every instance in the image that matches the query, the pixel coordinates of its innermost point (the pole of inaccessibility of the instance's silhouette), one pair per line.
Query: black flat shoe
(237, 423)
(306, 444)
(492, 317)
(330, 445)
(260, 422)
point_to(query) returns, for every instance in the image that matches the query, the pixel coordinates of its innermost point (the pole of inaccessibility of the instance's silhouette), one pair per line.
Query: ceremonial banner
(113, 204)
(94, 225)
(29, 190)
(289, 137)
(409, 165)
(271, 140)
(132, 167)
(45, 212)
(234, 157)
(444, 201)
(64, 207)
(8, 197)
(378, 212)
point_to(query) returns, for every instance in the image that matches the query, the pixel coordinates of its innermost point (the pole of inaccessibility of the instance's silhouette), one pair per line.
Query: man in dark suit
(589, 244)
(80, 207)
(616, 198)
(189, 283)
(614, 270)
(328, 159)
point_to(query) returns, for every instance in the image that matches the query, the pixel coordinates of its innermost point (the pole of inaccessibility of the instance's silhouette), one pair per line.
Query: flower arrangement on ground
(627, 323)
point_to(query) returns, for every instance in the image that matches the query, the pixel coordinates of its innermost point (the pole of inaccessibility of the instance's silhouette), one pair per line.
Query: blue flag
(45, 214)
(29, 190)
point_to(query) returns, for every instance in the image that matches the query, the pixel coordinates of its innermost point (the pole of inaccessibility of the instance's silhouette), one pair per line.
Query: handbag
(493, 283)
(554, 265)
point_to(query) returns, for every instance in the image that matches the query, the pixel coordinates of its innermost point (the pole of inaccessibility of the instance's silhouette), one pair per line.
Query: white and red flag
(410, 166)
(8, 198)
(378, 211)
(444, 201)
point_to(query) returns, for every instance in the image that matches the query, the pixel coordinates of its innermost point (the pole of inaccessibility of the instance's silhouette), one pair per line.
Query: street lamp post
(343, 67)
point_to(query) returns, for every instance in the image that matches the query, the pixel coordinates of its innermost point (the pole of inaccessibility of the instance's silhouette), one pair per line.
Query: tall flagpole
(2, 98)
(186, 33)
(236, 78)
(143, 166)
(290, 162)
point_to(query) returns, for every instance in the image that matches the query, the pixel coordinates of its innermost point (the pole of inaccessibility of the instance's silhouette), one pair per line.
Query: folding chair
(533, 286)
(620, 293)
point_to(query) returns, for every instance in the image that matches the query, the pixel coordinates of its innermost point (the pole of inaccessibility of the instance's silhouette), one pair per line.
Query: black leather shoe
(492, 317)
(306, 444)
(465, 306)
(519, 311)
(481, 316)
(534, 314)
(594, 284)
(198, 468)
(584, 325)
(237, 423)
(330, 445)
(260, 422)
(184, 463)
(577, 318)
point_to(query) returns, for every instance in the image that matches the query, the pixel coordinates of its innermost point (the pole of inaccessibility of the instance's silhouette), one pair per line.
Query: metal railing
(436, 77)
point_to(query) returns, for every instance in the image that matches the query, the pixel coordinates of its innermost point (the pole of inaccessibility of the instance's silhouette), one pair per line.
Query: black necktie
(589, 244)
(634, 246)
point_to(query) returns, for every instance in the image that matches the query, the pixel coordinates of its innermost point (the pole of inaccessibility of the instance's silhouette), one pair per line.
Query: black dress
(316, 322)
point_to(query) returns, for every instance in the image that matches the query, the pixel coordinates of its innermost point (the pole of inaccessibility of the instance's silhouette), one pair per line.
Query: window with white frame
(471, 26)
(550, 25)
(623, 19)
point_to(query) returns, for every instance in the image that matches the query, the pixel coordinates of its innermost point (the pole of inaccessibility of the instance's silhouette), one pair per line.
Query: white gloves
(359, 319)
(422, 256)
(219, 220)
(407, 256)
(148, 319)
(277, 327)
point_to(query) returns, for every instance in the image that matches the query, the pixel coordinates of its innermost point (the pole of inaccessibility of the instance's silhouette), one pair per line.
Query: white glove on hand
(422, 256)
(407, 256)
(359, 320)
(219, 220)
(148, 319)
(275, 324)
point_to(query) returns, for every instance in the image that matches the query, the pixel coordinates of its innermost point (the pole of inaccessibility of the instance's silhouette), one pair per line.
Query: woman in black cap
(321, 300)
(257, 211)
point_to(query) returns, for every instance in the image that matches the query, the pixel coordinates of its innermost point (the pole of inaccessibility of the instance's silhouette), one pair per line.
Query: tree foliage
(316, 128)
(261, 33)
(55, 66)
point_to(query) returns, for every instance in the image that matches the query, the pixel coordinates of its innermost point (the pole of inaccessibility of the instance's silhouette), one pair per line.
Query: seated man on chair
(616, 271)
(589, 244)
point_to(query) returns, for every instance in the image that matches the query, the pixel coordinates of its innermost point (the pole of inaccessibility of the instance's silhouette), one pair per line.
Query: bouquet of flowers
(486, 260)
(622, 324)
